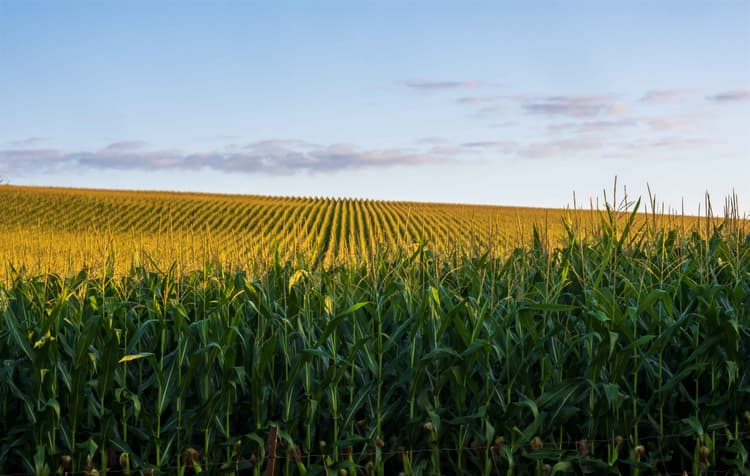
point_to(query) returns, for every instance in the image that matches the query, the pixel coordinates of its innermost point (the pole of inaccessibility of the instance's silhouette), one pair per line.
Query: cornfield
(65, 230)
(617, 345)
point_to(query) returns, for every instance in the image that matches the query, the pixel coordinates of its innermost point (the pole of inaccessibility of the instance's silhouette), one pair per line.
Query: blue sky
(518, 103)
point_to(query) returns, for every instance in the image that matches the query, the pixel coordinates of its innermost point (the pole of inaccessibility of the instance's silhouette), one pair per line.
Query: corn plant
(619, 349)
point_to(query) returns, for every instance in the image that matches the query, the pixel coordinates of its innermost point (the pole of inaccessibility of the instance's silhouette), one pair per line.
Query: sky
(508, 103)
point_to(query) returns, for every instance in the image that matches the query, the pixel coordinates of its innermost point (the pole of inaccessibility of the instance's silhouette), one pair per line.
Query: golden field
(63, 230)
(387, 338)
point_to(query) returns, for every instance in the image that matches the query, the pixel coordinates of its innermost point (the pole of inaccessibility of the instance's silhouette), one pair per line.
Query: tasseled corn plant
(625, 351)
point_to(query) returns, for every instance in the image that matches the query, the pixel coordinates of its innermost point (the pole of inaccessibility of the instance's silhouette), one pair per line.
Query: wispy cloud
(505, 146)
(575, 106)
(273, 157)
(593, 147)
(31, 141)
(31, 155)
(273, 144)
(665, 96)
(20, 161)
(592, 126)
(442, 85)
(127, 145)
(447, 152)
(478, 99)
(737, 95)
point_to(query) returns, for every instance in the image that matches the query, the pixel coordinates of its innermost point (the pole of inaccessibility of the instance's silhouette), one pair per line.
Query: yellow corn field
(160, 334)
(64, 230)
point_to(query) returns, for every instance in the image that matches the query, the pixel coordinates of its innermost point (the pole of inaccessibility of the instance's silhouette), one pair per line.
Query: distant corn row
(63, 230)
(627, 352)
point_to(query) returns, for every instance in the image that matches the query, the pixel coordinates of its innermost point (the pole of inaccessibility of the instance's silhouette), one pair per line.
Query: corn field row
(633, 342)
(63, 230)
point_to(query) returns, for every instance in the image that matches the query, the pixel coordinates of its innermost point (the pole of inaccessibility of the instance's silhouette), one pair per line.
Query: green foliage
(627, 352)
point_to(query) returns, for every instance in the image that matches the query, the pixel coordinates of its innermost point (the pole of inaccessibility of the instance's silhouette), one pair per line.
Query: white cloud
(275, 157)
(665, 96)
(575, 106)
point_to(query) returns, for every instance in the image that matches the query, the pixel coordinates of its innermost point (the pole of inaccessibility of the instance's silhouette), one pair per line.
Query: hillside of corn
(64, 230)
(605, 343)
